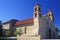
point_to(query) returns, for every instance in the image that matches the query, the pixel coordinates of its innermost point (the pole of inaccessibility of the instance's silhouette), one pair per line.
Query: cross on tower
(36, 1)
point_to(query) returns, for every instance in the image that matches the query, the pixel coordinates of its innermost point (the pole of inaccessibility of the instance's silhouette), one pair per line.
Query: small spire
(50, 10)
(37, 2)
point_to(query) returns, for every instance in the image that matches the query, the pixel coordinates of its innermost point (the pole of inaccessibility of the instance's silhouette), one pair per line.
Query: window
(53, 34)
(35, 14)
(25, 29)
(39, 9)
(47, 23)
(49, 15)
(40, 15)
(49, 33)
(35, 9)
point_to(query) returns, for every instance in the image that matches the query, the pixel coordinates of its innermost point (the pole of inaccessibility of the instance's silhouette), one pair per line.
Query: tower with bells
(37, 10)
(37, 14)
(50, 14)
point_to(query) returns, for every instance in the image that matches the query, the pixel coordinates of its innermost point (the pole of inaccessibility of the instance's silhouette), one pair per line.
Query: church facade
(39, 26)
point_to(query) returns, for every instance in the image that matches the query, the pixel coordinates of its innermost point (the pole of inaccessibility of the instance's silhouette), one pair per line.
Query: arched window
(35, 9)
(49, 15)
(25, 29)
(39, 15)
(35, 14)
(49, 33)
(47, 23)
(53, 34)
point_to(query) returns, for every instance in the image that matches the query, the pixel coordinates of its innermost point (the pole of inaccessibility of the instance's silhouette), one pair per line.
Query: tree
(19, 32)
(56, 29)
(7, 33)
(15, 33)
(1, 31)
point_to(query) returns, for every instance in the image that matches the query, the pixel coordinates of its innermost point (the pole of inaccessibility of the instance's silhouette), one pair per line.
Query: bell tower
(50, 14)
(37, 15)
(37, 10)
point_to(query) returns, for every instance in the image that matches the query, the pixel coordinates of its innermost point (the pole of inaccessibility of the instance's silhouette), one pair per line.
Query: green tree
(1, 31)
(7, 33)
(56, 29)
(19, 32)
(15, 33)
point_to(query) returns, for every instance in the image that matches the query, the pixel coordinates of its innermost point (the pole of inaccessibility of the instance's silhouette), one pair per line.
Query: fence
(50, 39)
(28, 38)
(8, 38)
(25, 38)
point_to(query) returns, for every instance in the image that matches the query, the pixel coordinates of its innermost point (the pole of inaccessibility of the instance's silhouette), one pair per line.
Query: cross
(36, 1)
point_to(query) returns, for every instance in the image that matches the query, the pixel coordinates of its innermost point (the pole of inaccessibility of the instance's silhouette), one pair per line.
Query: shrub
(19, 32)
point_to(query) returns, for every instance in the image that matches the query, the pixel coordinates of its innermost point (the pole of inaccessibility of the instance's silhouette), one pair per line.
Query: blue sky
(23, 9)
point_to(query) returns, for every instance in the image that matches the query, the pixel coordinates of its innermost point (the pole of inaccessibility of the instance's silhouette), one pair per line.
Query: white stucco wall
(6, 26)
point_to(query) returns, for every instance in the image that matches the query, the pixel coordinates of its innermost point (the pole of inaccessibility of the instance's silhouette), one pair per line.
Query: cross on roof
(36, 1)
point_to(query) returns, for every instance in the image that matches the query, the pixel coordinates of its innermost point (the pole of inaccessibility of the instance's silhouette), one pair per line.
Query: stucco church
(39, 25)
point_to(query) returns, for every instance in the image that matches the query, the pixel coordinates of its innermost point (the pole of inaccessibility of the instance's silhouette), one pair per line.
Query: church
(38, 26)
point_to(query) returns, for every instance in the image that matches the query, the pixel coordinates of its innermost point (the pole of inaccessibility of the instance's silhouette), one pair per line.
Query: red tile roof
(30, 20)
